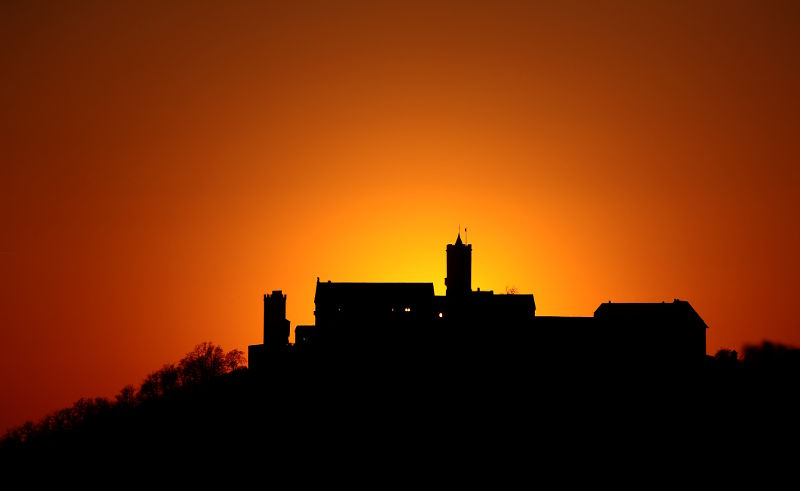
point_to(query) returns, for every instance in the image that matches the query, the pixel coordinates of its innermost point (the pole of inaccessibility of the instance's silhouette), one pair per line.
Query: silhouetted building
(476, 317)
(459, 269)
(276, 326)
(302, 335)
(382, 318)
(374, 316)
(391, 317)
(276, 331)
(669, 333)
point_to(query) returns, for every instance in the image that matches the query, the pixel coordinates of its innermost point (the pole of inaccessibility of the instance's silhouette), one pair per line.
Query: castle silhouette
(385, 319)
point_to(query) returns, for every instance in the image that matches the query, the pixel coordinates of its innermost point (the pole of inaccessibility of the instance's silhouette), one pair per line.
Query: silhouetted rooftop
(678, 311)
(398, 291)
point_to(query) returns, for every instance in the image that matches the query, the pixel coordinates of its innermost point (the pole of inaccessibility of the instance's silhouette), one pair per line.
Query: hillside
(209, 407)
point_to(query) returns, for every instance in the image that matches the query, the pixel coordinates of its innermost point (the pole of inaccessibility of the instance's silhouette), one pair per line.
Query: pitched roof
(676, 311)
(367, 291)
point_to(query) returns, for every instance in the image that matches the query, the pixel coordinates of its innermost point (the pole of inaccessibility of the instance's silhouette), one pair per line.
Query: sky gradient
(165, 165)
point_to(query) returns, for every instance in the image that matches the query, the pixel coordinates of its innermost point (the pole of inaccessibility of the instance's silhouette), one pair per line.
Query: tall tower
(276, 326)
(459, 269)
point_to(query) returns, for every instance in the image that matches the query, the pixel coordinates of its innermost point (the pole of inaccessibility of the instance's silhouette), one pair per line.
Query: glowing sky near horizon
(164, 165)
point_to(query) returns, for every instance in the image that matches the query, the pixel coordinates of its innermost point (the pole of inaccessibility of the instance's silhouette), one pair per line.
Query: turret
(276, 326)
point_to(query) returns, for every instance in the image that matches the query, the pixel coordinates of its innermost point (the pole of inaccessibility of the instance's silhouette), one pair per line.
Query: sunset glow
(165, 166)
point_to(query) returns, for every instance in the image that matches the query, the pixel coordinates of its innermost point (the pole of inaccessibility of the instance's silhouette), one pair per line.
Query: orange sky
(163, 166)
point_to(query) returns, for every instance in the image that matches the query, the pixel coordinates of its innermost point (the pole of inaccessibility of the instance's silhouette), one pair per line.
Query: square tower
(459, 269)
(276, 326)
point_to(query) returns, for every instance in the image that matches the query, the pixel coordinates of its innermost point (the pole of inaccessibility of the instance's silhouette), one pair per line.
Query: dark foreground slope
(489, 418)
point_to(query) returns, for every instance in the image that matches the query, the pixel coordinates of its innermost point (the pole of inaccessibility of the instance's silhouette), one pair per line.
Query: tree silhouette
(166, 412)
(204, 363)
(126, 396)
(234, 360)
(772, 357)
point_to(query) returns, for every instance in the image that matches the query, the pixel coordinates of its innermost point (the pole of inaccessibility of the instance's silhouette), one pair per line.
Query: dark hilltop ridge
(392, 375)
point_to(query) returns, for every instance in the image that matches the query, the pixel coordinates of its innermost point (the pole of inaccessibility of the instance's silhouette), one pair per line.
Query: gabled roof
(367, 291)
(676, 311)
